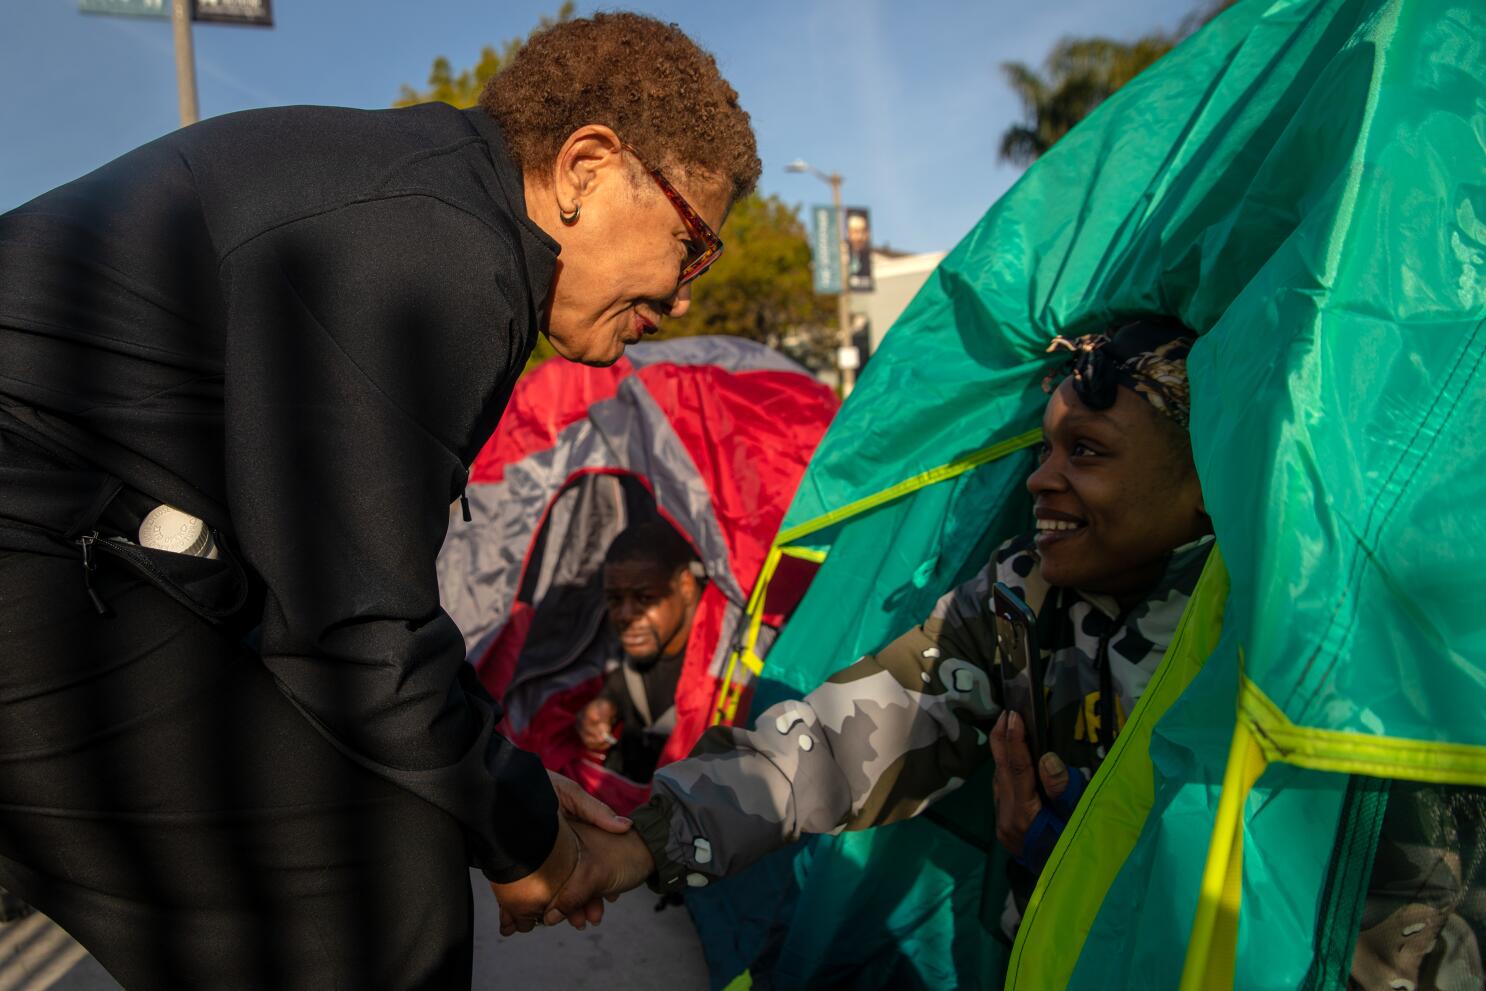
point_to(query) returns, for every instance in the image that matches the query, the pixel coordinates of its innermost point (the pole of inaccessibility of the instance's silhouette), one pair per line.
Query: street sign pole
(847, 358)
(185, 61)
(248, 13)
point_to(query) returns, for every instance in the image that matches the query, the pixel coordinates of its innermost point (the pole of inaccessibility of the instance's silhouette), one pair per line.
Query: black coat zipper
(90, 564)
(134, 557)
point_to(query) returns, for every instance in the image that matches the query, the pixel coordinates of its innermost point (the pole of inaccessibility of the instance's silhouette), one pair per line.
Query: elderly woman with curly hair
(239, 742)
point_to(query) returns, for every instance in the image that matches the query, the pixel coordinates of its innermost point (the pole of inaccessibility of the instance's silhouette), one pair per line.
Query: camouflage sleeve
(877, 742)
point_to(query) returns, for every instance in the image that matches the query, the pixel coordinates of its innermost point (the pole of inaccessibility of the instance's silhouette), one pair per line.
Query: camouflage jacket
(885, 737)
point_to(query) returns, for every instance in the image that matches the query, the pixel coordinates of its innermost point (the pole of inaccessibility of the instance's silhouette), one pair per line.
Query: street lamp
(846, 369)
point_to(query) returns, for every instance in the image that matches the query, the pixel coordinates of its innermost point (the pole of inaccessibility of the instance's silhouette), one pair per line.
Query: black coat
(300, 325)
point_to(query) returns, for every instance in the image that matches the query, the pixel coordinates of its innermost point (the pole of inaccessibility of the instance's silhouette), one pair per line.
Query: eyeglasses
(703, 246)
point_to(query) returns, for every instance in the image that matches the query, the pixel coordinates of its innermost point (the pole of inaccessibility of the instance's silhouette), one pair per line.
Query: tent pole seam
(726, 705)
(912, 484)
(1356, 753)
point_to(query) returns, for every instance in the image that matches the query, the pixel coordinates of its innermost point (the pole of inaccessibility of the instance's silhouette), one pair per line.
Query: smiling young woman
(1115, 487)
(270, 765)
(1100, 473)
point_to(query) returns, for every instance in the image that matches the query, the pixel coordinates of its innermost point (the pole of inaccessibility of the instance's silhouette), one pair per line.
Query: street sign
(133, 8)
(252, 13)
(825, 248)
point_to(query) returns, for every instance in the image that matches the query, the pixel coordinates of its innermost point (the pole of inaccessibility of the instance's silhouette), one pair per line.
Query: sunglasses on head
(1094, 372)
(703, 246)
(1096, 378)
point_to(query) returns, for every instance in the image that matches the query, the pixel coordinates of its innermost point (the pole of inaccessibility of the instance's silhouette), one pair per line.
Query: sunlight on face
(1114, 493)
(649, 609)
(620, 267)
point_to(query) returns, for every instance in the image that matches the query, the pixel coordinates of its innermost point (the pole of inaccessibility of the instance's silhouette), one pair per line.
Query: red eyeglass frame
(711, 244)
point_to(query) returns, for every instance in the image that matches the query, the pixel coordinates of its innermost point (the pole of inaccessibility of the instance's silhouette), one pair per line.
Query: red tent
(710, 433)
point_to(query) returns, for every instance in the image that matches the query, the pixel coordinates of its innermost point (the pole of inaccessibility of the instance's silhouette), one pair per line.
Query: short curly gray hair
(658, 90)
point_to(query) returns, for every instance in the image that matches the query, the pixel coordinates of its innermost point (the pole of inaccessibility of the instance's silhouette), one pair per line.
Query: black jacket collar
(540, 250)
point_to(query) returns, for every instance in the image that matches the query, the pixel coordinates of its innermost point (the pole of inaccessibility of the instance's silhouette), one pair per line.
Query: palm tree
(1078, 75)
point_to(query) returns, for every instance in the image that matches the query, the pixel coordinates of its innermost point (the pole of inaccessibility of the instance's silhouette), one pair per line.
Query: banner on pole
(252, 13)
(859, 249)
(825, 247)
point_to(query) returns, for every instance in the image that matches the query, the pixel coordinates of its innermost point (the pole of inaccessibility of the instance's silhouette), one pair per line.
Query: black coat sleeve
(369, 350)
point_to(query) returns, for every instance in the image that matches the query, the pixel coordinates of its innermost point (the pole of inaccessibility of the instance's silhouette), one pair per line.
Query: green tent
(1304, 181)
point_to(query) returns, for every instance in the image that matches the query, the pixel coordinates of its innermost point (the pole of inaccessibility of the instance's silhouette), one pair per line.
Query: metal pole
(843, 303)
(185, 61)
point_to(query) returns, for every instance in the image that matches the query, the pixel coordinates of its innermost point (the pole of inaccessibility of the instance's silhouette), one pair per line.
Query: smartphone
(1020, 664)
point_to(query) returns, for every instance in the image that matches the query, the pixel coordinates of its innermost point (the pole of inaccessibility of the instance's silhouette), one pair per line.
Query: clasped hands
(597, 856)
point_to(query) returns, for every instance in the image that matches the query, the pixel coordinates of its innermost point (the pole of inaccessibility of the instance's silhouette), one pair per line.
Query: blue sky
(905, 99)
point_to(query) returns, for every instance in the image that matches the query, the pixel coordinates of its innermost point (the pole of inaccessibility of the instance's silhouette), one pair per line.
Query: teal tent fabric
(1303, 182)
(1338, 420)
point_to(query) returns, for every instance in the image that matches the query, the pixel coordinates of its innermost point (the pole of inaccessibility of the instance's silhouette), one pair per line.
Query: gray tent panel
(734, 354)
(648, 445)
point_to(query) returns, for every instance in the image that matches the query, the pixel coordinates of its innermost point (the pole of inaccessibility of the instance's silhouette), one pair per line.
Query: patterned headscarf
(1147, 356)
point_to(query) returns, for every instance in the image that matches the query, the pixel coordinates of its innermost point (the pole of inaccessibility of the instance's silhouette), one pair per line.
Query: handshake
(597, 856)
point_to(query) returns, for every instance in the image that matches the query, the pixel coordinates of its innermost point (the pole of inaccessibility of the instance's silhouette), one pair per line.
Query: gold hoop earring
(570, 218)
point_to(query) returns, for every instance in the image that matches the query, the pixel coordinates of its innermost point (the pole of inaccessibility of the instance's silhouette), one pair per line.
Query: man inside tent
(652, 583)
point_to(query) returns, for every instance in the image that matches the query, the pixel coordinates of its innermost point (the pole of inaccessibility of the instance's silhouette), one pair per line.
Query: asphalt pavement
(635, 948)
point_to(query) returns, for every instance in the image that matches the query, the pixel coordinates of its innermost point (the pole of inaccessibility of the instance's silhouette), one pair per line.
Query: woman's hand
(1017, 801)
(1026, 825)
(579, 805)
(523, 903)
(518, 901)
(613, 863)
(605, 866)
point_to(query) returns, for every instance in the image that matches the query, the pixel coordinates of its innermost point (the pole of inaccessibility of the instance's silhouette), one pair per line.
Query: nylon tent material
(710, 434)
(1304, 182)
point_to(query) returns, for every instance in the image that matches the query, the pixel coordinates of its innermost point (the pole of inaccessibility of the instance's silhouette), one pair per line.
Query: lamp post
(843, 300)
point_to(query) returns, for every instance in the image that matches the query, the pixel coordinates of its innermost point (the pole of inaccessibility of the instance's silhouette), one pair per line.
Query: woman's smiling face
(1114, 493)
(619, 272)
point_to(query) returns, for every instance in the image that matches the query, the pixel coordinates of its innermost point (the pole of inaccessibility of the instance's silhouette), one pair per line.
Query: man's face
(1114, 494)
(650, 609)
